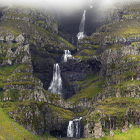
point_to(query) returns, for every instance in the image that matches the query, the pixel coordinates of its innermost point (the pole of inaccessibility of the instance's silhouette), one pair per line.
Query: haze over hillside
(67, 5)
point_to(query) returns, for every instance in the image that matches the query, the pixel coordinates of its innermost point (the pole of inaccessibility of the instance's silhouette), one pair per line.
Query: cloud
(64, 5)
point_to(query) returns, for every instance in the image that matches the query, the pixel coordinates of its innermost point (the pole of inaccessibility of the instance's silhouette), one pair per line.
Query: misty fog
(65, 5)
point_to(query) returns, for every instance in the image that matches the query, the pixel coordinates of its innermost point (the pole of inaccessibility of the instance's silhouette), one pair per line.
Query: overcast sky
(63, 4)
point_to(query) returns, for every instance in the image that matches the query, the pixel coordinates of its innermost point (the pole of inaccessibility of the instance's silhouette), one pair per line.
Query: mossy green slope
(12, 130)
(133, 134)
(92, 87)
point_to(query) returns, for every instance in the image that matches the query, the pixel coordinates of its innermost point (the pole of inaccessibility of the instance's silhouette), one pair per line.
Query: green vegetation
(114, 107)
(87, 52)
(115, 46)
(131, 58)
(41, 22)
(136, 44)
(117, 106)
(125, 84)
(14, 94)
(10, 26)
(126, 76)
(129, 16)
(67, 43)
(90, 87)
(6, 72)
(14, 45)
(1, 95)
(12, 130)
(94, 47)
(133, 134)
(64, 114)
(131, 30)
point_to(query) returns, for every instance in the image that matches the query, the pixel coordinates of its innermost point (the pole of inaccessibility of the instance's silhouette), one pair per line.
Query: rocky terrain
(101, 83)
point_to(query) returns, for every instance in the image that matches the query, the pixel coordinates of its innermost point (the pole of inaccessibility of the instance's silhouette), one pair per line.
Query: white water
(70, 129)
(81, 34)
(56, 84)
(74, 128)
(67, 55)
(90, 4)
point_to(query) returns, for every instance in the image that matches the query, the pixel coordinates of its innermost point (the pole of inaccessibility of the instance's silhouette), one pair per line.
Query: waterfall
(70, 129)
(74, 128)
(56, 84)
(81, 35)
(90, 4)
(67, 55)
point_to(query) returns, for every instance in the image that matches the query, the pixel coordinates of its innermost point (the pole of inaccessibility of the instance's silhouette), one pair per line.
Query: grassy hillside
(10, 130)
(133, 134)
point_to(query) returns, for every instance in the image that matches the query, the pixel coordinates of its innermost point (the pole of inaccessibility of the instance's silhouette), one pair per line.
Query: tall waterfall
(74, 128)
(66, 56)
(56, 84)
(81, 35)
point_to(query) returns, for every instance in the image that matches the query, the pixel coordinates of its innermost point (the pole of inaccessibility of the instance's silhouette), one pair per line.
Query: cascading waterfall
(81, 34)
(74, 128)
(67, 55)
(56, 84)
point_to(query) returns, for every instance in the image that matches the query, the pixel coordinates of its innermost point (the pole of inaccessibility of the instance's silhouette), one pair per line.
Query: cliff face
(118, 54)
(97, 83)
(29, 46)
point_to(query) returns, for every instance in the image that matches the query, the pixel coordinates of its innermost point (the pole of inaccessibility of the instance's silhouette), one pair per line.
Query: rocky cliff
(100, 82)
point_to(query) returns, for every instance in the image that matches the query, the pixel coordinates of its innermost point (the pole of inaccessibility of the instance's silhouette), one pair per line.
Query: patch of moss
(7, 72)
(132, 58)
(126, 76)
(84, 58)
(64, 114)
(92, 87)
(116, 46)
(117, 106)
(12, 130)
(66, 42)
(5, 45)
(14, 94)
(132, 134)
(14, 45)
(136, 44)
(9, 27)
(129, 16)
(92, 46)
(88, 52)
(41, 22)
(131, 83)
(1, 95)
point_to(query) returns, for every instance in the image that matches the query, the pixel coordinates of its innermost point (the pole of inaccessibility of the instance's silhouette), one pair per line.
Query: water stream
(67, 55)
(56, 84)
(74, 128)
(81, 34)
